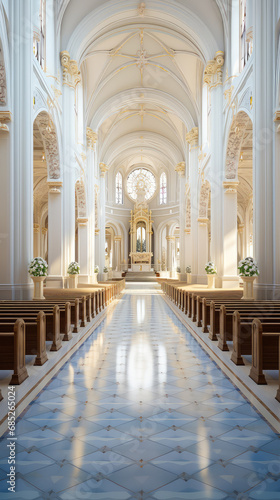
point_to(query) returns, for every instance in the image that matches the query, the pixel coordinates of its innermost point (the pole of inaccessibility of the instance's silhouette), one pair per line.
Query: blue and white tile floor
(140, 411)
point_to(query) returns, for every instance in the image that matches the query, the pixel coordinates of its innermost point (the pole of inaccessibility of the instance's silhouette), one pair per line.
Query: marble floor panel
(141, 412)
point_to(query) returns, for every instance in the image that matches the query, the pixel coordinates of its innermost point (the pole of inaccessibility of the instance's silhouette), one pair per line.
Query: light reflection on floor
(141, 412)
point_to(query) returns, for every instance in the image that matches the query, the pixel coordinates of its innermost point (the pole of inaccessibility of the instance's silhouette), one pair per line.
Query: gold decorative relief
(180, 168)
(91, 138)
(192, 137)
(103, 169)
(71, 73)
(213, 73)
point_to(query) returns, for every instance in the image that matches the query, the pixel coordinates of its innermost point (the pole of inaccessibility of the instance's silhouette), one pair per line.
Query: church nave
(140, 411)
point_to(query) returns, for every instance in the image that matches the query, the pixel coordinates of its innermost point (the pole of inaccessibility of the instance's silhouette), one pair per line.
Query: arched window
(119, 189)
(163, 189)
(39, 36)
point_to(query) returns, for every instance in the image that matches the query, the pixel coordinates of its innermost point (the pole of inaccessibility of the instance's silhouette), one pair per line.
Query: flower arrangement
(96, 269)
(210, 268)
(38, 267)
(248, 267)
(105, 269)
(73, 268)
(178, 269)
(188, 269)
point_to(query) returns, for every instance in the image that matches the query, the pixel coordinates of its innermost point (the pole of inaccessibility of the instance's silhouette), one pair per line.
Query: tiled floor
(141, 412)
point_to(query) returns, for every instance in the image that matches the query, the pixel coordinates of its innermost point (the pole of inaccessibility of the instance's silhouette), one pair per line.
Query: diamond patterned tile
(140, 411)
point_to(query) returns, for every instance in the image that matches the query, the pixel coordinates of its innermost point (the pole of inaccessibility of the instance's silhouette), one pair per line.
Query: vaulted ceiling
(142, 72)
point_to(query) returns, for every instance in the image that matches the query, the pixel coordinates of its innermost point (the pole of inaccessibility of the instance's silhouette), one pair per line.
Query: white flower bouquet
(96, 269)
(188, 269)
(38, 267)
(248, 267)
(210, 268)
(73, 268)
(105, 269)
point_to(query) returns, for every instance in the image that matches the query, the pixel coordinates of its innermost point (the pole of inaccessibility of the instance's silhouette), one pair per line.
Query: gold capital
(213, 73)
(180, 168)
(103, 169)
(91, 138)
(71, 73)
(192, 137)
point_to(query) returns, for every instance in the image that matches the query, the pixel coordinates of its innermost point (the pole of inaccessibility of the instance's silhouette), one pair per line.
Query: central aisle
(141, 412)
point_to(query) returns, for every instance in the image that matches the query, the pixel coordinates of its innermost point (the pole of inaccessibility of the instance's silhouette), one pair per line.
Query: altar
(141, 237)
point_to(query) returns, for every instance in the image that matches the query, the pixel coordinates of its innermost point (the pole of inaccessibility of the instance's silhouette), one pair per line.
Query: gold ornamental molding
(170, 238)
(5, 116)
(36, 228)
(117, 238)
(180, 168)
(230, 187)
(277, 119)
(192, 138)
(82, 221)
(91, 138)
(203, 221)
(187, 231)
(103, 169)
(44, 230)
(213, 73)
(97, 231)
(71, 75)
(54, 186)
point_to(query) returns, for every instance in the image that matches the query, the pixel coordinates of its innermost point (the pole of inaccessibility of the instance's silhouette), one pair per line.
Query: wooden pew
(35, 336)
(65, 313)
(242, 336)
(52, 323)
(12, 352)
(263, 312)
(265, 349)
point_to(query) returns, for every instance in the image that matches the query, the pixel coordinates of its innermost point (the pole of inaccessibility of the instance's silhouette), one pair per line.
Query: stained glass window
(163, 189)
(141, 181)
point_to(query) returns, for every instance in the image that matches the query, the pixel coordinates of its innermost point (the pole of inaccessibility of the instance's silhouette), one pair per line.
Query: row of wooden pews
(253, 327)
(27, 326)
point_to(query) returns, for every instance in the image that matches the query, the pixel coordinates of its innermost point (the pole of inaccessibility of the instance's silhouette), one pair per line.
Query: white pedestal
(211, 281)
(38, 287)
(104, 276)
(73, 281)
(94, 278)
(248, 287)
(189, 278)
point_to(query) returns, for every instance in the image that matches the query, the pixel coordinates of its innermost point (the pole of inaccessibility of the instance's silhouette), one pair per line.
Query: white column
(213, 77)
(263, 144)
(249, 23)
(44, 241)
(83, 250)
(170, 257)
(71, 78)
(55, 232)
(21, 167)
(103, 170)
(181, 168)
(192, 238)
(91, 141)
(117, 241)
(230, 233)
(36, 240)
(202, 248)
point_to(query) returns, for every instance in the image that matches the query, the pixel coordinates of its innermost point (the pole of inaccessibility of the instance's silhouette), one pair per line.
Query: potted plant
(38, 270)
(211, 272)
(105, 273)
(96, 271)
(73, 271)
(248, 271)
(189, 275)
